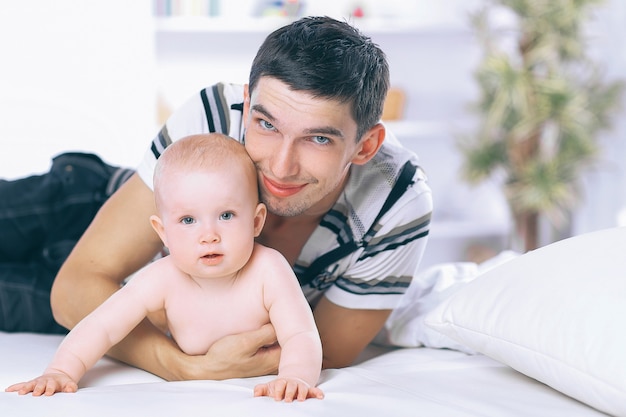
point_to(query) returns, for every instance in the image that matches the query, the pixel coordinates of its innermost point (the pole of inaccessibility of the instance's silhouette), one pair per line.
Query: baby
(215, 281)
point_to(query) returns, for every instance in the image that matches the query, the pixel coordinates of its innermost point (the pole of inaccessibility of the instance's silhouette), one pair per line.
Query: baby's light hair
(207, 153)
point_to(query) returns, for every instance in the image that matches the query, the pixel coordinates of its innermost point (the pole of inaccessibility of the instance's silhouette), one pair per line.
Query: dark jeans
(41, 219)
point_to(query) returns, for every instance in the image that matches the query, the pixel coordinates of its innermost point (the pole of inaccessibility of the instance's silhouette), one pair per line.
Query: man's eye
(266, 125)
(226, 216)
(321, 140)
(187, 220)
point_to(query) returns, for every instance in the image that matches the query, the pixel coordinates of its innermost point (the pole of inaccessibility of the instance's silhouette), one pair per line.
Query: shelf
(428, 128)
(201, 24)
(204, 24)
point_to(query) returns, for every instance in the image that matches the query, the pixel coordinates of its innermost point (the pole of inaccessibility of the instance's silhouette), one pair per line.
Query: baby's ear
(157, 225)
(259, 218)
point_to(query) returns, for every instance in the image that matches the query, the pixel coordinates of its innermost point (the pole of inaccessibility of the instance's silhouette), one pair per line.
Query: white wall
(604, 187)
(75, 75)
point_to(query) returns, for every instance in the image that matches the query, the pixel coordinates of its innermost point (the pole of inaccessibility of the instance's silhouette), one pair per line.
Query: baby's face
(210, 220)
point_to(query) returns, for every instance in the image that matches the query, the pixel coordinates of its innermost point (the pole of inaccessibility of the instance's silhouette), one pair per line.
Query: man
(348, 209)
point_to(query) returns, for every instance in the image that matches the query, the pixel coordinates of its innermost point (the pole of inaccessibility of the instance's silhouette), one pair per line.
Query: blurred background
(101, 76)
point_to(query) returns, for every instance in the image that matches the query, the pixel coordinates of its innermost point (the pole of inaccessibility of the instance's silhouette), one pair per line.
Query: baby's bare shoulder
(267, 257)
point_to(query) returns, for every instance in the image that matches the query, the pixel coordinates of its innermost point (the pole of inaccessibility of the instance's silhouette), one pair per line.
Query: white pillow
(556, 314)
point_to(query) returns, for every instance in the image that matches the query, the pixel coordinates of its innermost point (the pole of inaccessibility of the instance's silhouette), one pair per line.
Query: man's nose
(284, 162)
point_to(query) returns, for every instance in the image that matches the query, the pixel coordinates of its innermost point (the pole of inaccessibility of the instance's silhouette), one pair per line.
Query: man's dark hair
(329, 59)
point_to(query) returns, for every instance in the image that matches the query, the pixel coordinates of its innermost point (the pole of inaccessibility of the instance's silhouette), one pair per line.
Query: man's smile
(281, 190)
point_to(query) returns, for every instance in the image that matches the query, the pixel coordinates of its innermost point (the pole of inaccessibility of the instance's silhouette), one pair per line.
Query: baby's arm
(301, 349)
(92, 338)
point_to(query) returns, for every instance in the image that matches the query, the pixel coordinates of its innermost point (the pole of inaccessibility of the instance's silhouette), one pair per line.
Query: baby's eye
(227, 215)
(187, 220)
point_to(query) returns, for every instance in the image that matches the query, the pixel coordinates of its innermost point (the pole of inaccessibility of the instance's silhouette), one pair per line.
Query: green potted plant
(542, 103)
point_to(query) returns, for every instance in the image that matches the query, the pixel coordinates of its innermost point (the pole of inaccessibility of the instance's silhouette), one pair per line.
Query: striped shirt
(381, 251)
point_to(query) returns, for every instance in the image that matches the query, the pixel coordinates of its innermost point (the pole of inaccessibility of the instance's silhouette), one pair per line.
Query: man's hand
(243, 355)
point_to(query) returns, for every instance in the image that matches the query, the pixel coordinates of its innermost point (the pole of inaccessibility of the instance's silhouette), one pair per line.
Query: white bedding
(403, 382)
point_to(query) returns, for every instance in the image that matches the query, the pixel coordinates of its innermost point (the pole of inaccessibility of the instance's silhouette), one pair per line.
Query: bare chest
(198, 320)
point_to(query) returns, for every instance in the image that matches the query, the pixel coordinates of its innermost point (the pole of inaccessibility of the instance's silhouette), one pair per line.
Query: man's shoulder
(380, 183)
(226, 94)
(375, 180)
(216, 108)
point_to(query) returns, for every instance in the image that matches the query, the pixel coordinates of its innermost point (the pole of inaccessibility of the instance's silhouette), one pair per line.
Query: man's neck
(288, 235)
(278, 223)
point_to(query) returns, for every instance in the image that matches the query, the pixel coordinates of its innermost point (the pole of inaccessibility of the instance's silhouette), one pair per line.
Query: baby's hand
(288, 389)
(46, 384)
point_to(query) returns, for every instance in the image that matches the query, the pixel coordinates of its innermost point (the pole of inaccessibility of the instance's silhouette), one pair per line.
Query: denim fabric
(41, 219)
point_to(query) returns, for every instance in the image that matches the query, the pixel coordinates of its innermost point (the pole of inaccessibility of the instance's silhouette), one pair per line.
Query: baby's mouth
(212, 258)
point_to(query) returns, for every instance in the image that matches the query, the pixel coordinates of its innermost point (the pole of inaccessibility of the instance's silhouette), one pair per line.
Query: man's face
(302, 147)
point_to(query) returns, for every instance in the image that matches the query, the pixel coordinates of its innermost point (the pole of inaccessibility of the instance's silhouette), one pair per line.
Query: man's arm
(118, 242)
(346, 332)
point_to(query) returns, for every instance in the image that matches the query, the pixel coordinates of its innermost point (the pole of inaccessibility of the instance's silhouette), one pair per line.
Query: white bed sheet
(403, 382)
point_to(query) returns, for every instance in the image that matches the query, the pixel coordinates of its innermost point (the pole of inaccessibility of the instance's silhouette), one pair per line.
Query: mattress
(391, 382)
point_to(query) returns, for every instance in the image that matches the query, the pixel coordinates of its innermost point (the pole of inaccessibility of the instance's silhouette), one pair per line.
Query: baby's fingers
(70, 387)
(261, 390)
(275, 389)
(35, 386)
(315, 392)
(293, 391)
(305, 392)
(50, 386)
(299, 390)
(43, 386)
(21, 387)
(288, 390)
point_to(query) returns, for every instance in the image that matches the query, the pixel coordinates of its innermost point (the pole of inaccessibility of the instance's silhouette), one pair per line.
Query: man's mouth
(281, 190)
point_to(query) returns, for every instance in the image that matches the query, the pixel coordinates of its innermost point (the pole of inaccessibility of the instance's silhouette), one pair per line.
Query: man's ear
(157, 225)
(370, 144)
(260, 215)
